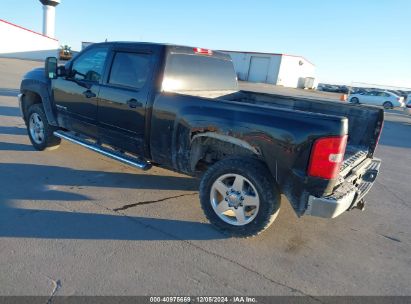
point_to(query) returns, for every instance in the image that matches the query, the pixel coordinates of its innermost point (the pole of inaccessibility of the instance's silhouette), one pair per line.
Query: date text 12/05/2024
(201, 299)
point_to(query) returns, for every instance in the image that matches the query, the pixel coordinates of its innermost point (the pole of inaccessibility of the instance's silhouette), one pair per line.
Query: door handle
(134, 103)
(89, 94)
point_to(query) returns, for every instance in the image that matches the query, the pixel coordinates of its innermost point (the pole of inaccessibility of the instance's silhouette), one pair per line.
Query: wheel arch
(209, 147)
(37, 92)
(388, 102)
(29, 98)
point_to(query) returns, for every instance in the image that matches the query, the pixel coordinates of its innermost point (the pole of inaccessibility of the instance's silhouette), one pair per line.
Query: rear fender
(234, 146)
(229, 139)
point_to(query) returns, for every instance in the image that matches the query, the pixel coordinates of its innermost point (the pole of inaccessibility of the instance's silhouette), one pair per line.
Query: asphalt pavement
(73, 222)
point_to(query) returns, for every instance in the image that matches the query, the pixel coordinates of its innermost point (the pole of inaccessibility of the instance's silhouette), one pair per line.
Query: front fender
(36, 82)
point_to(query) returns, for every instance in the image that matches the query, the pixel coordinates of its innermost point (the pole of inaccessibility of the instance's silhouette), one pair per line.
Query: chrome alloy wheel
(234, 199)
(36, 127)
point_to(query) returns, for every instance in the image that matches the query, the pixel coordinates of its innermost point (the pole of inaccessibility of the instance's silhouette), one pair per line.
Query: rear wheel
(39, 130)
(388, 105)
(239, 196)
(355, 100)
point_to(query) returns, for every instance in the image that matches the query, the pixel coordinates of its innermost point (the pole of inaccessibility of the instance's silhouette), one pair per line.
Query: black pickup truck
(180, 108)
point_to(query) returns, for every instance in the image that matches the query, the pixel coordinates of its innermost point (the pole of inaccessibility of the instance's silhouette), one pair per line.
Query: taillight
(326, 156)
(203, 51)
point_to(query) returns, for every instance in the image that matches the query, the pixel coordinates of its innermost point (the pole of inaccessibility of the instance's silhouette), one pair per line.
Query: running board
(125, 159)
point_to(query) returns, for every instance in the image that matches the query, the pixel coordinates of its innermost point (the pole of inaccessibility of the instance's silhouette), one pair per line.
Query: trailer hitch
(361, 205)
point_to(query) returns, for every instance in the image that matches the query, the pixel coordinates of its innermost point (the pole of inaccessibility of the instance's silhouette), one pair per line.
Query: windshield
(191, 72)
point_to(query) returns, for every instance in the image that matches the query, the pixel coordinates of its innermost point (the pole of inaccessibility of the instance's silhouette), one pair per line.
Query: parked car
(180, 108)
(407, 108)
(400, 93)
(343, 89)
(358, 90)
(322, 87)
(386, 99)
(333, 88)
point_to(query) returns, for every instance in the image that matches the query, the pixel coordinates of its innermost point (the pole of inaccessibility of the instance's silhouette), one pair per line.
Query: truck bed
(362, 138)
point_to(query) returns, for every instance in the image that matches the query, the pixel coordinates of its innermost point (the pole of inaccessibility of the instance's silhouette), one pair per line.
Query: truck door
(76, 94)
(123, 98)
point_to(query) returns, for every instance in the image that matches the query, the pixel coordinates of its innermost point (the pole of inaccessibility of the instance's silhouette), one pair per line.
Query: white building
(19, 42)
(279, 69)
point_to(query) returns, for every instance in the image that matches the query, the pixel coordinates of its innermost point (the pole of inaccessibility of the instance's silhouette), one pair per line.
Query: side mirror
(61, 71)
(51, 67)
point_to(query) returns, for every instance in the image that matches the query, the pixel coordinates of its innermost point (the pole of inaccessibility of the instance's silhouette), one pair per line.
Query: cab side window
(130, 70)
(90, 65)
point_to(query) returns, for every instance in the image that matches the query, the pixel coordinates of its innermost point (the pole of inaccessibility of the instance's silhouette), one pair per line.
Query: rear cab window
(187, 70)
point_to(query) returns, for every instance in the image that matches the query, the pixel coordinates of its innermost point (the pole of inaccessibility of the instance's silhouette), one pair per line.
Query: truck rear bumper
(348, 195)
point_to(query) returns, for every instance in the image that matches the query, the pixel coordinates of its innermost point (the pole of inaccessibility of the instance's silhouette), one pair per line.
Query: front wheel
(40, 132)
(239, 196)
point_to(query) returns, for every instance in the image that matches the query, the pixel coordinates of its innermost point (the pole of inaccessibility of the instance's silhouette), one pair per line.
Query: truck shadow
(5, 146)
(35, 178)
(13, 130)
(52, 184)
(396, 134)
(9, 111)
(9, 92)
(46, 224)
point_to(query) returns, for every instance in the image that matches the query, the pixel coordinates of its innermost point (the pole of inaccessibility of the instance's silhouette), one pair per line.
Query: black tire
(48, 141)
(257, 173)
(388, 105)
(355, 100)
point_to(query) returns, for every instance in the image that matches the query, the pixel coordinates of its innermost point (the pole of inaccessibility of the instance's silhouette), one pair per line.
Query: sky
(349, 41)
